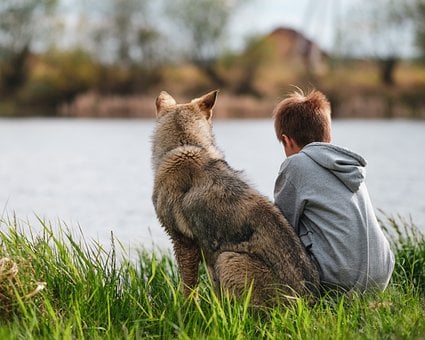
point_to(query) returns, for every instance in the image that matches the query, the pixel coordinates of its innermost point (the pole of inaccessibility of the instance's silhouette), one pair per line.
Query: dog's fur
(209, 210)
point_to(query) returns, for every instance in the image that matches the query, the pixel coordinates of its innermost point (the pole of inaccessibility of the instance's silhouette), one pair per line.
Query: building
(291, 45)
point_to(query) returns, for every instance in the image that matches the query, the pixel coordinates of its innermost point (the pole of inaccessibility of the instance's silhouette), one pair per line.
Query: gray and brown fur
(209, 210)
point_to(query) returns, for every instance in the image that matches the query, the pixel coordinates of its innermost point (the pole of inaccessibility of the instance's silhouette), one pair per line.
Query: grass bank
(55, 285)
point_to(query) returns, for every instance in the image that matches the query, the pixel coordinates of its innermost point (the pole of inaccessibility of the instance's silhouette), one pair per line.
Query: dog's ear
(206, 102)
(162, 101)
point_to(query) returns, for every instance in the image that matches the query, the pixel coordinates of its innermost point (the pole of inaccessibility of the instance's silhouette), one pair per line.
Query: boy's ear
(291, 146)
(285, 140)
(162, 101)
(207, 102)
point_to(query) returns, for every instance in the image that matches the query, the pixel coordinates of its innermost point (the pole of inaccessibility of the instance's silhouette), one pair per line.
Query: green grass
(91, 292)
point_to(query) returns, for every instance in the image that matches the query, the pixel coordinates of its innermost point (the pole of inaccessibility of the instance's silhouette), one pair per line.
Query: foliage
(419, 14)
(204, 24)
(258, 53)
(95, 292)
(20, 22)
(122, 32)
(379, 30)
(57, 76)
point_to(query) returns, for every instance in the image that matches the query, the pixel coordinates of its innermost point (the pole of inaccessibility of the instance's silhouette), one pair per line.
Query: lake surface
(96, 174)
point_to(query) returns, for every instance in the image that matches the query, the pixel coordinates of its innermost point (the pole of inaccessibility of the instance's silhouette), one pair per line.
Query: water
(96, 174)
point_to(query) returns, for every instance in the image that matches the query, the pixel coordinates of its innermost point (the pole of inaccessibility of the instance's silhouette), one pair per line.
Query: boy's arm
(287, 197)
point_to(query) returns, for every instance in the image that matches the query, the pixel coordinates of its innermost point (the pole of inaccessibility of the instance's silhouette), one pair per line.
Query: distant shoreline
(350, 105)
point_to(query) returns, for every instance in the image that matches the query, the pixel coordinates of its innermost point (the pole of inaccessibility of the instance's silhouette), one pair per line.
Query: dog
(212, 214)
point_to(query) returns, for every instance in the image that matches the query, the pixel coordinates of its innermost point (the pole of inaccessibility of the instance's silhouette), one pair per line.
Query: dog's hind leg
(188, 256)
(236, 273)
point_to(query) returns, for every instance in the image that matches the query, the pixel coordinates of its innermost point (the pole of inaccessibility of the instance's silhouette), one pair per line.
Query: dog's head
(183, 124)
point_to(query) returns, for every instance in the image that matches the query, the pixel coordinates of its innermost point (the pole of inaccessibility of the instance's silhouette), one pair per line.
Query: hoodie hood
(346, 165)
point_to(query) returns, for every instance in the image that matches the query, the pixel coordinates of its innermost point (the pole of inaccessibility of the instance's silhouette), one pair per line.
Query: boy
(321, 191)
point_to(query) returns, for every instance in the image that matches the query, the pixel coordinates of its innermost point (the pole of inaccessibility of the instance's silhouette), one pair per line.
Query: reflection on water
(97, 173)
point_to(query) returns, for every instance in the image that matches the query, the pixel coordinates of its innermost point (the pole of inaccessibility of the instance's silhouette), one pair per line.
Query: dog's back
(206, 206)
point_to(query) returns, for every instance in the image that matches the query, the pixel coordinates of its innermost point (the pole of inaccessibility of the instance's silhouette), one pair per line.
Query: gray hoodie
(322, 193)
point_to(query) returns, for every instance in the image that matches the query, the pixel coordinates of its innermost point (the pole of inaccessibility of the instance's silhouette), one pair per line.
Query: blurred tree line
(53, 50)
(381, 30)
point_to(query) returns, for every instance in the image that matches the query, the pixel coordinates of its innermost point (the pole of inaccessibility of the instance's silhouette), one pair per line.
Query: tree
(381, 30)
(204, 24)
(419, 15)
(21, 21)
(258, 51)
(120, 32)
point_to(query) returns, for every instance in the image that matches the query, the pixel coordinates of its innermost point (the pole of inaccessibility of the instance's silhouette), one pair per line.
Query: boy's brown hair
(304, 118)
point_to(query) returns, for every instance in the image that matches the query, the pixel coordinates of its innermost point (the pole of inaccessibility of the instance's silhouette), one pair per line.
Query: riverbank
(346, 104)
(93, 293)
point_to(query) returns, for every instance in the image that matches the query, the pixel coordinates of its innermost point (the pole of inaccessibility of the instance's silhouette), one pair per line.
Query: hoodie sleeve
(286, 195)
